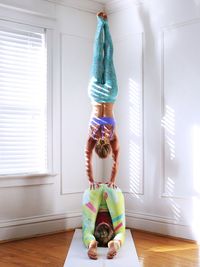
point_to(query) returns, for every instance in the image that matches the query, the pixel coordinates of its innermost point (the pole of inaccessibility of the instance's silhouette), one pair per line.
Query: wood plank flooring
(51, 251)
(159, 251)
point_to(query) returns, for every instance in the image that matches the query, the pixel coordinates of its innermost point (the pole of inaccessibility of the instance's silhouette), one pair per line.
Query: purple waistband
(103, 121)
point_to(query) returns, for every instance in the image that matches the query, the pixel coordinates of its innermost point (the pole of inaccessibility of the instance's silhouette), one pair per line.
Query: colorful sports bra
(101, 122)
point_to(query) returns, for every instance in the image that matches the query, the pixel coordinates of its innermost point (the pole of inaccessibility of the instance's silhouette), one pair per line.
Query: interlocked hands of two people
(94, 185)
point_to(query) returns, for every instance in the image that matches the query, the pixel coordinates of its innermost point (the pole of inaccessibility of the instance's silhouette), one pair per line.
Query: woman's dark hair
(103, 233)
(103, 148)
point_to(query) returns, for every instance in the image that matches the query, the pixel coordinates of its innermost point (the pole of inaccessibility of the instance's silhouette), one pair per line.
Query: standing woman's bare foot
(92, 250)
(113, 247)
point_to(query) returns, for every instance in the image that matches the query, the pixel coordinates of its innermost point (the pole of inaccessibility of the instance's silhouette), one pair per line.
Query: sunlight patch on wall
(134, 166)
(134, 108)
(168, 122)
(175, 207)
(135, 142)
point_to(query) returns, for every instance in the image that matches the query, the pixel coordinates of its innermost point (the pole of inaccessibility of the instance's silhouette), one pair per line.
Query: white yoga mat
(77, 254)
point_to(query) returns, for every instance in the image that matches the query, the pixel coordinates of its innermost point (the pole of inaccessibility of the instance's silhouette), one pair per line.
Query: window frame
(48, 42)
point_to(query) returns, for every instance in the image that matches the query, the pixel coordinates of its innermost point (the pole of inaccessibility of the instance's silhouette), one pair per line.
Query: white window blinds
(23, 102)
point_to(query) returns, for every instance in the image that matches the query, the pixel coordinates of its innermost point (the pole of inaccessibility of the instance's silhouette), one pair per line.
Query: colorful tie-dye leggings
(92, 200)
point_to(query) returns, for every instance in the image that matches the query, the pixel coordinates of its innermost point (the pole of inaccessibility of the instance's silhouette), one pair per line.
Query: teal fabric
(103, 86)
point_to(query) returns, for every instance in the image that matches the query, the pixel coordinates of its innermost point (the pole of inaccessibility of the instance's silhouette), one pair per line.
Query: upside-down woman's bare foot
(102, 14)
(92, 250)
(112, 249)
(105, 15)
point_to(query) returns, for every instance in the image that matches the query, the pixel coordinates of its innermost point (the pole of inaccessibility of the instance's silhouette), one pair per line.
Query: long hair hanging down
(102, 148)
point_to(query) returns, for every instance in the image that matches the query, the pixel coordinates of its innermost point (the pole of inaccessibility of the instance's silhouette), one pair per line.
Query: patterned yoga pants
(103, 83)
(92, 201)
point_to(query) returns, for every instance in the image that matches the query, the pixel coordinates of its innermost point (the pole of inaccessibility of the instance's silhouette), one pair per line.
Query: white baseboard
(159, 225)
(29, 227)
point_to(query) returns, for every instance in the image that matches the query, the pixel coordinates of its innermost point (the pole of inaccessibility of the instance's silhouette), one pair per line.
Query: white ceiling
(102, 1)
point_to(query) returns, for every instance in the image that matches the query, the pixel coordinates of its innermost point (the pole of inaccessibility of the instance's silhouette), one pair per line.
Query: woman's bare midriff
(102, 110)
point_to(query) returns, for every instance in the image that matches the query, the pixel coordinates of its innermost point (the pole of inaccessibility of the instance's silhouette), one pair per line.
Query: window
(23, 100)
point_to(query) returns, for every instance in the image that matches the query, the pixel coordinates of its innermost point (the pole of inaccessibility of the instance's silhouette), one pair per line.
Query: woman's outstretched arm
(115, 154)
(88, 158)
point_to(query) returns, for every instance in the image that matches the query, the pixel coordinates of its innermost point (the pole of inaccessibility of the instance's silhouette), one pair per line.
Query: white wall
(34, 205)
(157, 61)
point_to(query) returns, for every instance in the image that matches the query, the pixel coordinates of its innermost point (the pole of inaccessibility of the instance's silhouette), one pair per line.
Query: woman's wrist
(112, 185)
(112, 180)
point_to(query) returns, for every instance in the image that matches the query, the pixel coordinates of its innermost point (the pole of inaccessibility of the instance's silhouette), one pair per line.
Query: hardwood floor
(159, 251)
(51, 251)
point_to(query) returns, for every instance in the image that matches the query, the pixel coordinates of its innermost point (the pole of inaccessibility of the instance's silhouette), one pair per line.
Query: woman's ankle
(100, 20)
(93, 244)
(115, 243)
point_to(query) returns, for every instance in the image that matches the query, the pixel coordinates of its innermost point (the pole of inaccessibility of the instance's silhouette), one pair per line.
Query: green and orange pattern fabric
(102, 199)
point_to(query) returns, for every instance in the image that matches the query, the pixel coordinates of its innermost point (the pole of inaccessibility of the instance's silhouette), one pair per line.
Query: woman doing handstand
(103, 91)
